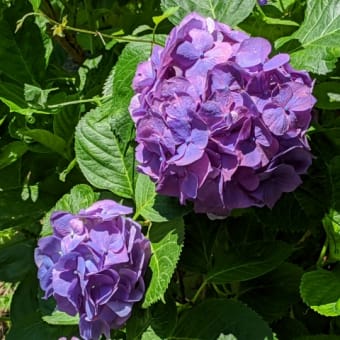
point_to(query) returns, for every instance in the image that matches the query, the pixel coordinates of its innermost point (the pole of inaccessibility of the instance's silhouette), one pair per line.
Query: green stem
(199, 291)
(85, 31)
(79, 101)
(321, 259)
(219, 291)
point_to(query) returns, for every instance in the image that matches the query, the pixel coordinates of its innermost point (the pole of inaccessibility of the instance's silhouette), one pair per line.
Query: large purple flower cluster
(93, 265)
(218, 121)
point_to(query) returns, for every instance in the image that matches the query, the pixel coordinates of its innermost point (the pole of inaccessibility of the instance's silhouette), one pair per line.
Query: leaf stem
(79, 101)
(321, 260)
(199, 291)
(82, 30)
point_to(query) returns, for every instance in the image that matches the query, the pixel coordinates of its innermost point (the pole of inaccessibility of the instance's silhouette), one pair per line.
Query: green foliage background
(67, 140)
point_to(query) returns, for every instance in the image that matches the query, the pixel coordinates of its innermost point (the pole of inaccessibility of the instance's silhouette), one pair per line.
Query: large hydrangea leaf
(102, 156)
(320, 290)
(153, 207)
(166, 244)
(230, 12)
(319, 36)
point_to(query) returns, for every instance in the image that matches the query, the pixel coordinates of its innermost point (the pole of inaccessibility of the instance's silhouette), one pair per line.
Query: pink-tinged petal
(302, 100)
(277, 120)
(201, 39)
(106, 210)
(252, 52)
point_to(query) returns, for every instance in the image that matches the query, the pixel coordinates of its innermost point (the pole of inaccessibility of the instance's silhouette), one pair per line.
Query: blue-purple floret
(218, 122)
(93, 265)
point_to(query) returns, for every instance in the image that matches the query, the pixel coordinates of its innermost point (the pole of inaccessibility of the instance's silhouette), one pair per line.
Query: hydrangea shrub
(218, 120)
(93, 265)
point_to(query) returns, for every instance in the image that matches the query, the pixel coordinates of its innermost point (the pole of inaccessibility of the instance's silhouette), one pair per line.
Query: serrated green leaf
(24, 110)
(226, 337)
(80, 197)
(35, 4)
(324, 92)
(229, 12)
(320, 290)
(17, 61)
(124, 72)
(154, 207)
(248, 262)
(150, 334)
(166, 244)
(144, 194)
(103, 159)
(319, 36)
(103, 136)
(48, 139)
(11, 153)
(36, 95)
(169, 11)
(215, 316)
(61, 318)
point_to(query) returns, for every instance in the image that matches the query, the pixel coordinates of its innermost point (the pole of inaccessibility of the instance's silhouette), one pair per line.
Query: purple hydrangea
(218, 121)
(93, 265)
(262, 2)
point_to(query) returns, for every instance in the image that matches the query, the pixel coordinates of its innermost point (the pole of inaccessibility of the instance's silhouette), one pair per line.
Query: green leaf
(229, 12)
(80, 197)
(215, 316)
(16, 255)
(164, 318)
(319, 36)
(102, 157)
(153, 207)
(320, 290)
(226, 337)
(138, 323)
(273, 294)
(17, 61)
(61, 318)
(48, 139)
(166, 244)
(324, 92)
(35, 4)
(11, 153)
(24, 110)
(248, 262)
(124, 72)
(150, 334)
(36, 95)
(331, 224)
(23, 214)
(103, 137)
(169, 12)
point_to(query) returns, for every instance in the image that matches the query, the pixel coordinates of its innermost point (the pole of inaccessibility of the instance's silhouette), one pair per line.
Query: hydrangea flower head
(218, 121)
(93, 265)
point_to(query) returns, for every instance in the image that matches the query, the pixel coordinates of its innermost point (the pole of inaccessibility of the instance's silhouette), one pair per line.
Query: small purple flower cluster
(218, 122)
(93, 265)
